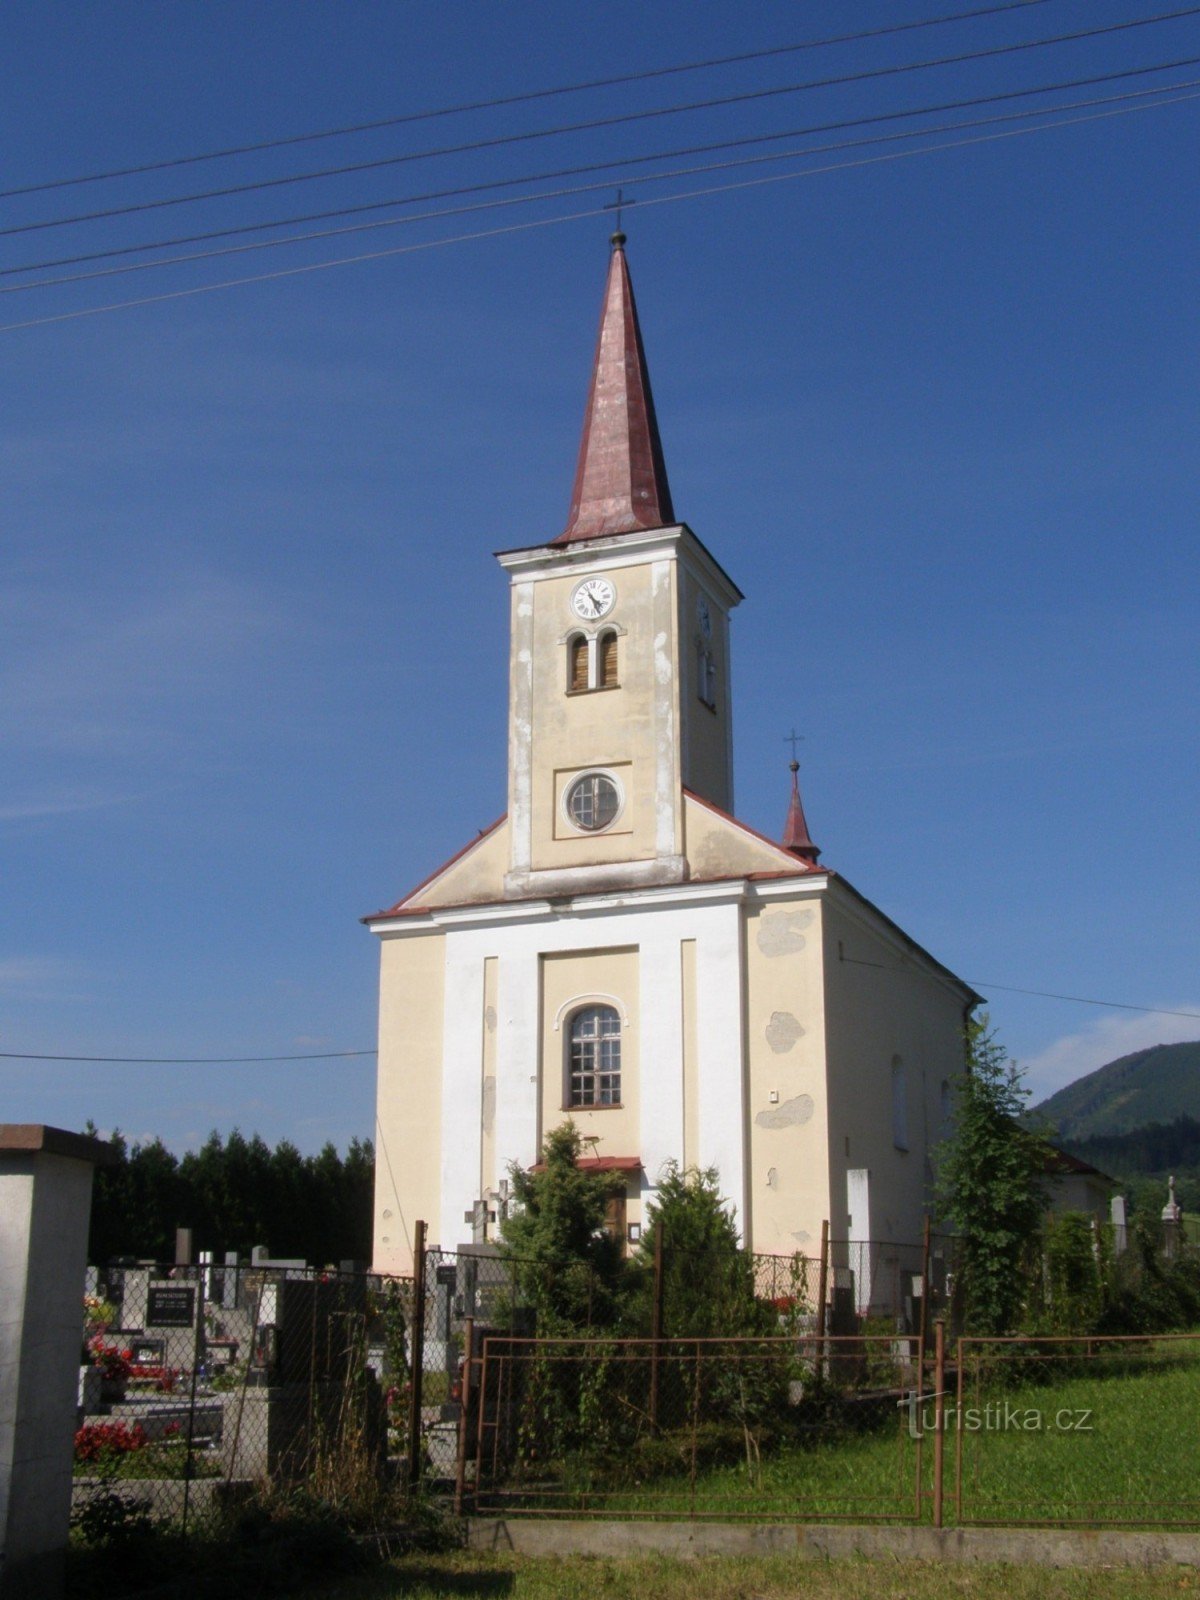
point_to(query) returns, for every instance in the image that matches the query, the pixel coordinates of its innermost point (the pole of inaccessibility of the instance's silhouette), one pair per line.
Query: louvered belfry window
(578, 659)
(608, 661)
(595, 1057)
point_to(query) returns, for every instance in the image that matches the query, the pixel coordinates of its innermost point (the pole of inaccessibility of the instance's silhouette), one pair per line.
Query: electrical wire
(600, 166)
(1082, 1000)
(188, 1061)
(498, 141)
(340, 1055)
(519, 99)
(575, 216)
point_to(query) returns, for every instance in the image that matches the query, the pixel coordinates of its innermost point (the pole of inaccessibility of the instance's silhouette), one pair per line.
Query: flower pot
(113, 1390)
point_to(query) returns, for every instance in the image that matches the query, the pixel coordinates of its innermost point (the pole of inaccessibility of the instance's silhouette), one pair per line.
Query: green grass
(736, 1578)
(1112, 1445)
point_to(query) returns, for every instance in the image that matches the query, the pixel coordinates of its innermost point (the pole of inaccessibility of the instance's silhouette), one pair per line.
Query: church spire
(795, 832)
(621, 479)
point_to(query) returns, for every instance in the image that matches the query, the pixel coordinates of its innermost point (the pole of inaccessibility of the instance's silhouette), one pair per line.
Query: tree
(708, 1280)
(989, 1174)
(566, 1264)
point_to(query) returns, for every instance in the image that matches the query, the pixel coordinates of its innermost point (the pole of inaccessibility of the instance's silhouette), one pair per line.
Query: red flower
(96, 1439)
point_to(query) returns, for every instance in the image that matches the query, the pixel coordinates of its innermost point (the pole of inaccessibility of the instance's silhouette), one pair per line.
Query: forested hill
(234, 1193)
(1157, 1085)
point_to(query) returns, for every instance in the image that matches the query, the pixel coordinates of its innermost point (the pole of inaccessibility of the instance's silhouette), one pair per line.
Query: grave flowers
(115, 1365)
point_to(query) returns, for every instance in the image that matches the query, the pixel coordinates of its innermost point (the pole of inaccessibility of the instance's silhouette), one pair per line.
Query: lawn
(730, 1578)
(1105, 1445)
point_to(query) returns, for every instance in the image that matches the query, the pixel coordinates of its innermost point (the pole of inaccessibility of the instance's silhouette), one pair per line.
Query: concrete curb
(1046, 1547)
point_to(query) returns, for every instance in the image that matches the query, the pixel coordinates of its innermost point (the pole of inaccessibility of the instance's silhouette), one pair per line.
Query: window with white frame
(594, 1067)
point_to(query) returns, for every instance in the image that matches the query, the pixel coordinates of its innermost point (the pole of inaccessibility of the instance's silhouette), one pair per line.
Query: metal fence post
(822, 1291)
(197, 1346)
(656, 1322)
(417, 1359)
(939, 1416)
(464, 1397)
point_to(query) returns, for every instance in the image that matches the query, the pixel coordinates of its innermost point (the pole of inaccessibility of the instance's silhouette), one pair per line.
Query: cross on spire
(618, 205)
(795, 832)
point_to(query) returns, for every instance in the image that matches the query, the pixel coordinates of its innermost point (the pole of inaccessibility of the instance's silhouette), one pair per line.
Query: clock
(704, 617)
(593, 598)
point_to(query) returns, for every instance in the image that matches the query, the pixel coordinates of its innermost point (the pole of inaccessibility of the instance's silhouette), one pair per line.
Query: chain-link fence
(200, 1386)
(197, 1383)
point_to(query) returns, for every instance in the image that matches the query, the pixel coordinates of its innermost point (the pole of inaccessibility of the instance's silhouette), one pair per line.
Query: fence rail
(202, 1384)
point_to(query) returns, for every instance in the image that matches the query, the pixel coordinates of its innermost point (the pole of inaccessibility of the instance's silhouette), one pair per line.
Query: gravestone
(171, 1312)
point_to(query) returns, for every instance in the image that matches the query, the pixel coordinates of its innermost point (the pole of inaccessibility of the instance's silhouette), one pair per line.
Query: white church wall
(479, 1000)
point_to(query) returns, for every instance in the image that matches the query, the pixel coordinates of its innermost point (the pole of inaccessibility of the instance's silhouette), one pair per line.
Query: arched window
(608, 661)
(577, 663)
(595, 1064)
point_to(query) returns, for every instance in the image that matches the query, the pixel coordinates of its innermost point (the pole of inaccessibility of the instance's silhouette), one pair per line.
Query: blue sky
(937, 416)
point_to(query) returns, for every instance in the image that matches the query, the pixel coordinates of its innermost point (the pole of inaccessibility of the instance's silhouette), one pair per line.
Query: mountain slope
(1155, 1085)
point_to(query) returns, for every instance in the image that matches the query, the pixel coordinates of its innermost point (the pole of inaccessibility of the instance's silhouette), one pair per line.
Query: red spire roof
(621, 479)
(795, 831)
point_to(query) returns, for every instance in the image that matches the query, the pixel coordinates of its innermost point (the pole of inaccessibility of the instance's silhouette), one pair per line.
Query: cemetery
(500, 1384)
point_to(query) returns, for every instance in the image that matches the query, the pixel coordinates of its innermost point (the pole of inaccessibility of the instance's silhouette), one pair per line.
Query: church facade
(618, 949)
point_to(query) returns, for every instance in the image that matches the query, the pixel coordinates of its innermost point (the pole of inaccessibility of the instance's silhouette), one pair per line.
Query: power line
(1082, 1000)
(188, 1061)
(341, 1055)
(589, 188)
(600, 166)
(520, 99)
(496, 142)
(575, 216)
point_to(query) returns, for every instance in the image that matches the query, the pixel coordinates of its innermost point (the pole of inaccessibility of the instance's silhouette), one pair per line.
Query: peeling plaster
(772, 1178)
(791, 1114)
(489, 1018)
(782, 1031)
(779, 932)
(489, 1102)
(802, 1236)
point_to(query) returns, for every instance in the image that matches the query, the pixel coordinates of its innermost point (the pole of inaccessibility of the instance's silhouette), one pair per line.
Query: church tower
(619, 949)
(619, 671)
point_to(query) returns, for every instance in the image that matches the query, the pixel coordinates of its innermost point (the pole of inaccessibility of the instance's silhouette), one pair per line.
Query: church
(618, 948)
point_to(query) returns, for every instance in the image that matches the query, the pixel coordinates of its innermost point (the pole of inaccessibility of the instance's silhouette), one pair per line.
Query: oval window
(593, 801)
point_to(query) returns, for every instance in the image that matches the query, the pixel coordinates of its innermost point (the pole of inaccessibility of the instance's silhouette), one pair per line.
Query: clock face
(704, 616)
(593, 598)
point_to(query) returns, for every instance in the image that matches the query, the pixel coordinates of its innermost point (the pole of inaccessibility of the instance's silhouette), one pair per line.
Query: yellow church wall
(788, 1160)
(608, 728)
(409, 1105)
(705, 729)
(718, 848)
(476, 876)
(885, 1005)
(570, 980)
